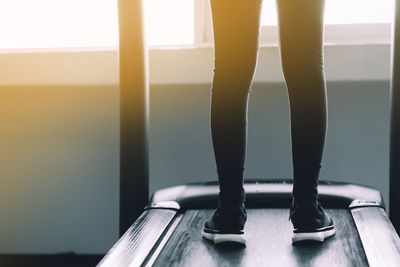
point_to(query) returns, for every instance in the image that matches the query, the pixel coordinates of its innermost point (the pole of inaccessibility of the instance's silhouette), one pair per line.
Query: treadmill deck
(268, 234)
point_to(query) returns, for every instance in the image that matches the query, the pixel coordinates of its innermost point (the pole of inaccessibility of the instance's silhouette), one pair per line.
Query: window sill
(186, 64)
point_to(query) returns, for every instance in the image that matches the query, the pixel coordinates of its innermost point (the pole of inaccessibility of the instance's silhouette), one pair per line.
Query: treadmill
(167, 232)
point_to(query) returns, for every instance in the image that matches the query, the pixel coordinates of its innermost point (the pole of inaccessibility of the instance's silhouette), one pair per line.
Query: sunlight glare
(58, 23)
(89, 23)
(94, 23)
(358, 11)
(169, 22)
(342, 11)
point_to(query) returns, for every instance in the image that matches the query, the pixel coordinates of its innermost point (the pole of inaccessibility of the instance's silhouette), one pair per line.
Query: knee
(235, 76)
(303, 67)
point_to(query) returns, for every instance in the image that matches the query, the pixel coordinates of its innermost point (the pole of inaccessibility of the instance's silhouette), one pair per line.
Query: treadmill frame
(145, 239)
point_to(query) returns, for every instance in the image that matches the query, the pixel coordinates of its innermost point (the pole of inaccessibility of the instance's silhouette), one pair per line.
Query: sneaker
(226, 225)
(310, 222)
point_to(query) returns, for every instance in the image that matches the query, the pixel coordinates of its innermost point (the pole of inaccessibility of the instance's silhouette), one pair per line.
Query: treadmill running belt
(268, 233)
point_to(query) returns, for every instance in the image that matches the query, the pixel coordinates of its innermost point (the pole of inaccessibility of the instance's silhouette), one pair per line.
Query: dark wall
(356, 146)
(59, 161)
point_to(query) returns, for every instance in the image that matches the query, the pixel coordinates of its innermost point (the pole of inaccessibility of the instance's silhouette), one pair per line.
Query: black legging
(236, 32)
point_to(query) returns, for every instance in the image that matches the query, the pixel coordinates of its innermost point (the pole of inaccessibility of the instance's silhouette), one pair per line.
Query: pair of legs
(236, 25)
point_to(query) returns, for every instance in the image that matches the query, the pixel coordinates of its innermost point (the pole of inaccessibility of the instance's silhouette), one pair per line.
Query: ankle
(297, 201)
(231, 205)
(232, 198)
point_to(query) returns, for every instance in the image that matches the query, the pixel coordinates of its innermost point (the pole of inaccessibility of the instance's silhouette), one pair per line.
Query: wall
(59, 136)
(58, 169)
(356, 147)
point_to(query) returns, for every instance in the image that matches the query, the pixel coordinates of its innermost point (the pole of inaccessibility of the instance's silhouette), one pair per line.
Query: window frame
(334, 34)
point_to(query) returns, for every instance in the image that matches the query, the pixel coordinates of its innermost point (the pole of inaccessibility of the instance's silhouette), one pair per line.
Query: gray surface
(268, 234)
(356, 148)
(59, 141)
(380, 241)
(136, 243)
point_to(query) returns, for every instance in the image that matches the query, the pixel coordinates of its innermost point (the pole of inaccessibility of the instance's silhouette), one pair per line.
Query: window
(58, 23)
(358, 11)
(346, 21)
(94, 23)
(89, 23)
(342, 11)
(169, 22)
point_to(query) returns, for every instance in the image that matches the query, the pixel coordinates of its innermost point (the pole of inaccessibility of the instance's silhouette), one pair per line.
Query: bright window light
(342, 11)
(169, 22)
(269, 14)
(94, 23)
(359, 11)
(58, 23)
(89, 23)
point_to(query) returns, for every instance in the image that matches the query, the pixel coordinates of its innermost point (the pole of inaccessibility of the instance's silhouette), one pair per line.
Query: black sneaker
(310, 222)
(226, 225)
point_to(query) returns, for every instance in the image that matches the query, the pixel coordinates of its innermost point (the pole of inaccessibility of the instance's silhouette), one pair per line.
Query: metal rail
(134, 170)
(394, 184)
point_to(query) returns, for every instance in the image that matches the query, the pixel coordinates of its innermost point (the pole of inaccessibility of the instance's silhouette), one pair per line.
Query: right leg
(236, 31)
(301, 43)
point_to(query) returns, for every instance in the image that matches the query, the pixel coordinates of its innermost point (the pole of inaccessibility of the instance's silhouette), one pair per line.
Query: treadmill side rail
(134, 247)
(380, 241)
(172, 205)
(361, 203)
(264, 193)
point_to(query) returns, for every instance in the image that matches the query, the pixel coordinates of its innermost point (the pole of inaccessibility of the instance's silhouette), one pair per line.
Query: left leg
(236, 31)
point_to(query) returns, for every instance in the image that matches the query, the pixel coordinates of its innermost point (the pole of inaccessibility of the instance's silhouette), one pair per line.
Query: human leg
(236, 31)
(301, 29)
(301, 47)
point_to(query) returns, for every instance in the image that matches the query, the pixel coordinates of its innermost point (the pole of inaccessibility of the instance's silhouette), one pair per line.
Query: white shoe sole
(223, 238)
(312, 236)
